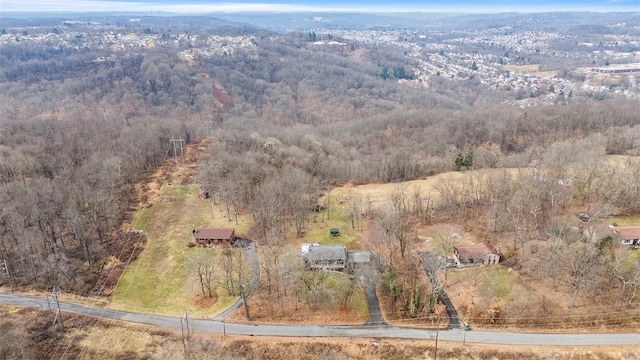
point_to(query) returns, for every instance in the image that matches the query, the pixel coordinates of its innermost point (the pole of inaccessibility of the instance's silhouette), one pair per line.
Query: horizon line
(97, 6)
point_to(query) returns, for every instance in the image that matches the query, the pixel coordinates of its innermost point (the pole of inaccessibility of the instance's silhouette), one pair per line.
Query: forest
(289, 122)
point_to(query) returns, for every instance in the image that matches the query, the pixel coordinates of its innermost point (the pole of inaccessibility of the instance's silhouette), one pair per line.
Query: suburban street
(218, 327)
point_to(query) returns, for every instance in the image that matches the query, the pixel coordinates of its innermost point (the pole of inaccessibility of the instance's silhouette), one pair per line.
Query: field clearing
(532, 69)
(319, 224)
(377, 195)
(160, 280)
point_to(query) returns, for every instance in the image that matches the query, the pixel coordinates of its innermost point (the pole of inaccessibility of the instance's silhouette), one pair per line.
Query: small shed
(357, 258)
(478, 254)
(209, 237)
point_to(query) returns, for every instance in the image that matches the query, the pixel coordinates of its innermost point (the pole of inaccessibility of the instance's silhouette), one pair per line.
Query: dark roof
(213, 233)
(327, 253)
(359, 257)
(476, 251)
(627, 232)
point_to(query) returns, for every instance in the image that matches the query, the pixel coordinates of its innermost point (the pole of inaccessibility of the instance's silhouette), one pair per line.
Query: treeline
(75, 137)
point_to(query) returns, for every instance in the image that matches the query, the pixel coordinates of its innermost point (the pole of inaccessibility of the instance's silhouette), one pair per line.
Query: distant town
(500, 59)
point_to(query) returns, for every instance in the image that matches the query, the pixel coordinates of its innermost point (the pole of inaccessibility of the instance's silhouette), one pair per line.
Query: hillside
(409, 141)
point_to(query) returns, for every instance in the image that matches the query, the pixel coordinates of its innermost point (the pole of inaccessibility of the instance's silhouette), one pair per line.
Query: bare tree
(626, 269)
(203, 266)
(234, 270)
(355, 212)
(299, 194)
(581, 265)
(445, 240)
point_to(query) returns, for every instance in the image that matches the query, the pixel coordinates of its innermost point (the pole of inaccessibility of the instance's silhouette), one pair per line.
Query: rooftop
(223, 233)
(476, 251)
(627, 232)
(327, 253)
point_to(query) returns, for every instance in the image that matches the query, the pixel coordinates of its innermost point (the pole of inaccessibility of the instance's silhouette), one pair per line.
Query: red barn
(210, 237)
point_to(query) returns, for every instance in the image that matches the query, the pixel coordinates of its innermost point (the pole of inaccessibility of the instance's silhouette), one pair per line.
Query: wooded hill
(289, 121)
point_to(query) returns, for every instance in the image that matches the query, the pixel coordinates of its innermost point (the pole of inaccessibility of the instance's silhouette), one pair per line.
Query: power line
(100, 287)
(178, 144)
(54, 296)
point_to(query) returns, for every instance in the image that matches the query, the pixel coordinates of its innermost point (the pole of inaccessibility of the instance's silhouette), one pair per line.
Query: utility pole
(435, 355)
(329, 203)
(178, 145)
(54, 296)
(186, 334)
(244, 301)
(464, 338)
(5, 268)
(210, 125)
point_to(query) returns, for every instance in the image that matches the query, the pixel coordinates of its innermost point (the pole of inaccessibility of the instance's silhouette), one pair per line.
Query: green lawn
(160, 280)
(624, 221)
(319, 225)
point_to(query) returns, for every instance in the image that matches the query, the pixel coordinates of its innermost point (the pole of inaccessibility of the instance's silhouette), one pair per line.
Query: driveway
(369, 278)
(427, 262)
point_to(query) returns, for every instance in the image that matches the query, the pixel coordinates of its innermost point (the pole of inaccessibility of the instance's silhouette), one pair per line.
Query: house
(210, 237)
(324, 257)
(626, 235)
(482, 253)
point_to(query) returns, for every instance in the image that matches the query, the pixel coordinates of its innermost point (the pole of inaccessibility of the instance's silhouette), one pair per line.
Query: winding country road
(218, 327)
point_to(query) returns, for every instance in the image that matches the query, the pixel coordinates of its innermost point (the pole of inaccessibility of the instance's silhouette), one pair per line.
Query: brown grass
(28, 334)
(378, 195)
(291, 310)
(264, 313)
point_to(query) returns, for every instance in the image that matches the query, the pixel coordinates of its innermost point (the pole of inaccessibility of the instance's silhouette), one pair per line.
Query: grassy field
(378, 195)
(160, 280)
(319, 225)
(532, 69)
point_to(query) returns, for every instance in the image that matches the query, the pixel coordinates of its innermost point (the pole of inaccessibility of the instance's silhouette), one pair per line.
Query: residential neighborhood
(500, 59)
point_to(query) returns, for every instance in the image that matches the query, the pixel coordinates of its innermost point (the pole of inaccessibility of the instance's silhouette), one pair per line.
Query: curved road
(214, 326)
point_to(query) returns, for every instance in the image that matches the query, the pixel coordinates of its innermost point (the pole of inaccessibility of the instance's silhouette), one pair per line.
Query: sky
(203, 6)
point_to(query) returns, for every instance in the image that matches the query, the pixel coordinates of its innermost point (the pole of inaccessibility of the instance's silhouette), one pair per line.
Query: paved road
(213, 326)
